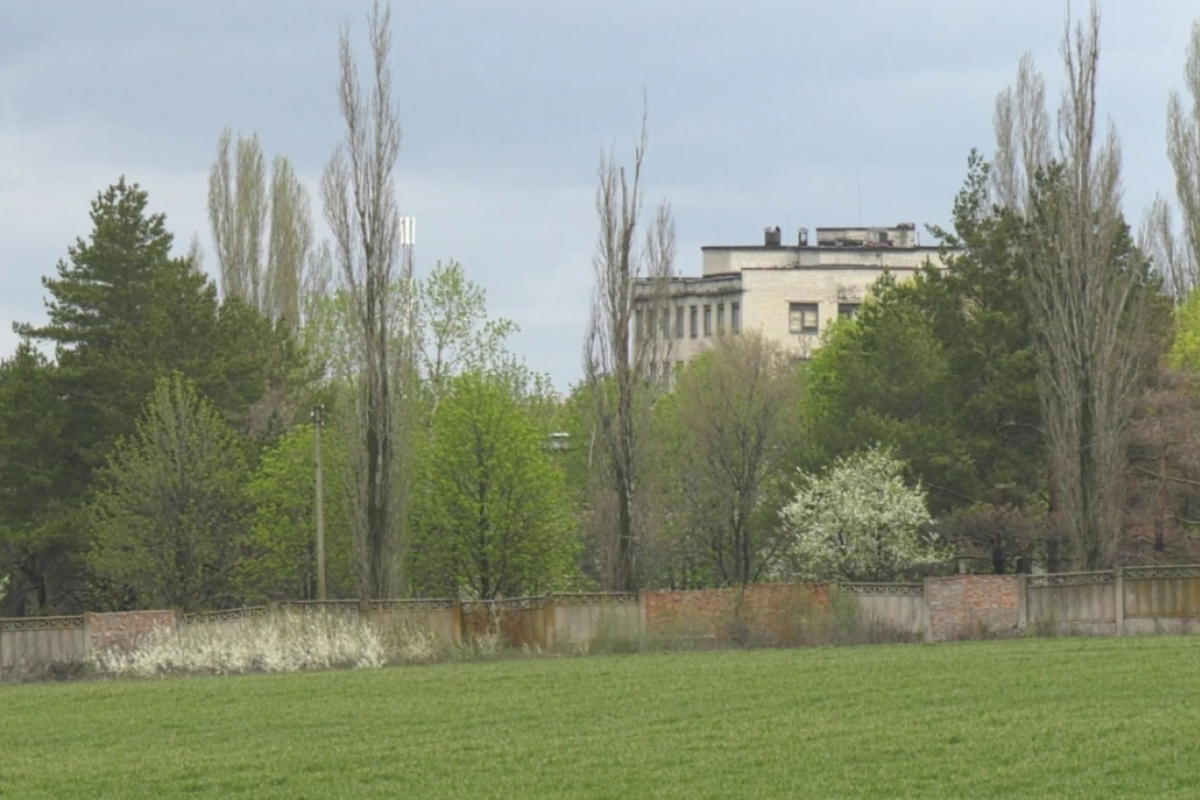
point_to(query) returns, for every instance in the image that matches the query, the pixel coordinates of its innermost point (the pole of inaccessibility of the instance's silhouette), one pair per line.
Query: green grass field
(1030, 718)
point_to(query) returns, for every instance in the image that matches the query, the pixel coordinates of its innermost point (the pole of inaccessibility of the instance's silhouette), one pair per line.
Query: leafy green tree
(281, 561)
(1185, 350)
(944, 369)
(493, 512)
(170, 511)
(857, 521)
(456, 333)
(38, 540)
(727, 435)
(124, 313)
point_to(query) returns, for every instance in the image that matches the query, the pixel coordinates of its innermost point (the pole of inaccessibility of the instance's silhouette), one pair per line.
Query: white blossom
(857, 521)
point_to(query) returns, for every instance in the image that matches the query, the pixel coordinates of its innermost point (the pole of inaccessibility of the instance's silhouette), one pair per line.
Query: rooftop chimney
(803, 237)
(772, 237)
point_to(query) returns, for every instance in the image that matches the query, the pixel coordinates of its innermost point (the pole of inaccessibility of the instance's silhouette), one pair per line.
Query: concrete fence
(899, 605)
(1131, 600)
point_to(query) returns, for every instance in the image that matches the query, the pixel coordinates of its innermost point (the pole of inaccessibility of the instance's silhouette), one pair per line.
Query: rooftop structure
(790, 292)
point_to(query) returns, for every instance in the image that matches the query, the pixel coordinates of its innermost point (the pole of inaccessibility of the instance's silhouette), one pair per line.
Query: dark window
(803, 318)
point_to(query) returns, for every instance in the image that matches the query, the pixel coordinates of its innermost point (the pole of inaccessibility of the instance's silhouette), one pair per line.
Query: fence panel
(520, 621)
(1162, 599)
(898, 605)
(582, 618)
(30, 641)
(1073, 603)
(438, 616)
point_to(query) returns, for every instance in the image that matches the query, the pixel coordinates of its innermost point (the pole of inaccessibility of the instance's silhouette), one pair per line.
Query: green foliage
(1185, 351)
(457, 335)
(125, 313)
(943, 368)
(122, 314)
(169, 514)
(492, 514)
(885, 377)
(725, 443)
(37, 539)
(281, 544)
(857, 521)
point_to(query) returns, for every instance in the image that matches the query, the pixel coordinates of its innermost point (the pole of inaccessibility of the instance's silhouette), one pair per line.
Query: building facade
(789, 292)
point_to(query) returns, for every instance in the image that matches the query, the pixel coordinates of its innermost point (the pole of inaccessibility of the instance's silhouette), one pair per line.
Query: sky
(761, 113)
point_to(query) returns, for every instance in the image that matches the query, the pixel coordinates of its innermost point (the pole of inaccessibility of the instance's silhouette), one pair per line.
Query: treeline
(1033, 404)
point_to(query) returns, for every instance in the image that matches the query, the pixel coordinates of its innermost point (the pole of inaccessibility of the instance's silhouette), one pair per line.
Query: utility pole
(318, 422)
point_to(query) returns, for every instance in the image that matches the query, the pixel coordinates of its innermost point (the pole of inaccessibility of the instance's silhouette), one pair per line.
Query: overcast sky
(761, 113)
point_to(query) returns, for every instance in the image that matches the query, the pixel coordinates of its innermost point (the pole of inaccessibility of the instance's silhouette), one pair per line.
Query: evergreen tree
(170, 509)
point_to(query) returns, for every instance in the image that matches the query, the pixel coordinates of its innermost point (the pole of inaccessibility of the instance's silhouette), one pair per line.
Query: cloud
(761, 113)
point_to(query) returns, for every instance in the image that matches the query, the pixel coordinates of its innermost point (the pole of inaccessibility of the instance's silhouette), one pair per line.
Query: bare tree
(735, 430)
(289, 253)
(1164, 466)
(1177, 258)
(237, 215)
(248, 219)
(1022, 136)
(1086, 290)
(359, 198)
(195, 254)
(614, 356)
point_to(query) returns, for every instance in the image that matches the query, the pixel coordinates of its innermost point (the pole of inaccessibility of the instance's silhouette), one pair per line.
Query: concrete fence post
(642, 624)
(928, 610)
(1119, 599)
(87, 635)
(548, 622)
(1022, 601)
(456, 623)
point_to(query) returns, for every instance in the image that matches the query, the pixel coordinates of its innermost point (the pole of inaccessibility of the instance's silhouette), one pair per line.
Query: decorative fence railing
(885, 589)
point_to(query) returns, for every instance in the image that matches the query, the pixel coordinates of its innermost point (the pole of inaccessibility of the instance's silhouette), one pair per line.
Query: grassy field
(1030, 718)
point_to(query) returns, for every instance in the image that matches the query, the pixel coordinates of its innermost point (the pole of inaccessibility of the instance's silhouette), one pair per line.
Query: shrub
(285, 641)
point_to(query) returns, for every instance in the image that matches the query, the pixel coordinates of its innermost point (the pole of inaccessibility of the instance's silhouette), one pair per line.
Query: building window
(695, 327)
(639, 325)
(848, 310)
(678, 322)
(664, 323)
(708, 320)
(803, 318)
(652, 322)
(720, 319)
(735, 317)
(654, 372)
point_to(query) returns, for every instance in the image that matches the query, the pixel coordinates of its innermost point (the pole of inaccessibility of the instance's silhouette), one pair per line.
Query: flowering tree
(857, 521)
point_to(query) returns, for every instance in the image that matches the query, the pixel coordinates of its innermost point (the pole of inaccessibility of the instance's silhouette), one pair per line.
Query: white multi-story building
(789, 292)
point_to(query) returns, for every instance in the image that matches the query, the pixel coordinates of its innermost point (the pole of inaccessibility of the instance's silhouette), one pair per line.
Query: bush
(285, 641)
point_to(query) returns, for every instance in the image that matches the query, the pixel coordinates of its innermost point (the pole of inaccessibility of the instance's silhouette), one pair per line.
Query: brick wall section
(123, 629)
(770, 610)
(971, 605)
